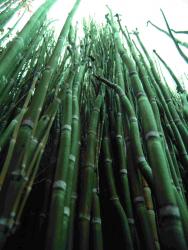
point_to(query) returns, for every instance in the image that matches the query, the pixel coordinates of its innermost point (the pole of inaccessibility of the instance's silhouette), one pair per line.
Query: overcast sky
(135, 14)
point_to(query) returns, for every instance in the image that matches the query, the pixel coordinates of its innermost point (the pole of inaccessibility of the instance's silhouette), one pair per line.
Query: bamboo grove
(93, 142)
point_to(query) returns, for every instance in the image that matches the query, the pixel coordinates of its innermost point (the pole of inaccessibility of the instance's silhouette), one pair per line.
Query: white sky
(135, 13)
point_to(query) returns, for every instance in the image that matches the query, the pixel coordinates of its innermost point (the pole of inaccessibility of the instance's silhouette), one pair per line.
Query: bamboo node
(114, 198)
(72, 158)
(151, 211)
(74, 98)
(106, 138)
(67, 211)
(140, 93)
(133, 119)
(35, 140)
(90, 165)
(85, 217)
(123, 171)
(147, 189)
(96, 220)
(75, 117)
(138, 199)
(130, 220)
(153, 99)
(96, 109)
(91, 132)
(108, 160)
(74, 196)
(28, 122)
(59, 184)
(66, 127)
(152, 134)
(69, 91)
(119, 114)
(94, 190)
(15, 121)
(141, 159)
(29, 188)
(13, 141)
(119, 136)
(12, 215)
(48, 67)
(169, 211)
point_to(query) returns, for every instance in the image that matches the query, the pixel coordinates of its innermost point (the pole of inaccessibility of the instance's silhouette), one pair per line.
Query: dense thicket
(93, 142)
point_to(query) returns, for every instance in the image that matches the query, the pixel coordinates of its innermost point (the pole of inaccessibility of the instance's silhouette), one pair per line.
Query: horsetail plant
(93, 141)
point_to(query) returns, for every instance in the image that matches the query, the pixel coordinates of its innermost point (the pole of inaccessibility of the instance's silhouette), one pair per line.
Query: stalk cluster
(93, 142)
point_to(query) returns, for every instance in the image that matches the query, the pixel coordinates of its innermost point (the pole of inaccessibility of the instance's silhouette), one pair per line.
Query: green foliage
(93, 143)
